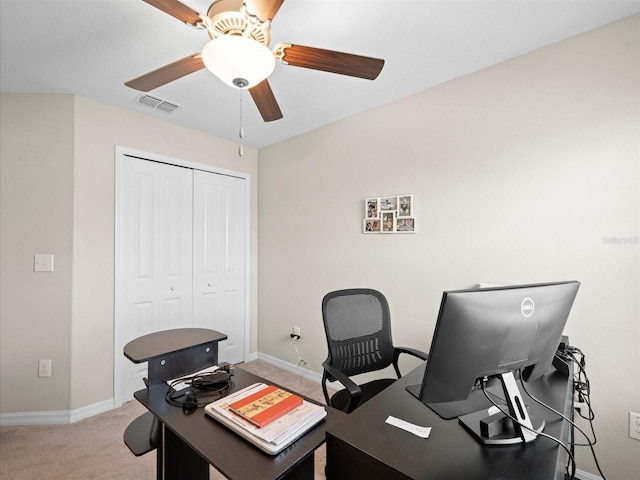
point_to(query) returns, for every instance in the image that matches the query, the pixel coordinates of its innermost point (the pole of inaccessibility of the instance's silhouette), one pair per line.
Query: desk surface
(225, 450)
(364, 445)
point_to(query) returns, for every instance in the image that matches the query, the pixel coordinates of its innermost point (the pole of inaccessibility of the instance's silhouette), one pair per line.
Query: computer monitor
(492, 333)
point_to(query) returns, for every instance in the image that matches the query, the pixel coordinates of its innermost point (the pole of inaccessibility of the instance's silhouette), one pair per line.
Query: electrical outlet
(44, 368)
(634, 425)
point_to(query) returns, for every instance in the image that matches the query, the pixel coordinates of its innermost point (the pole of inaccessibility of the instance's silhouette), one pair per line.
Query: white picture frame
(392, 214)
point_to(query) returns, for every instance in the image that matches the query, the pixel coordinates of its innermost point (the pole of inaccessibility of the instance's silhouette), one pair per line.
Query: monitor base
(497, 429)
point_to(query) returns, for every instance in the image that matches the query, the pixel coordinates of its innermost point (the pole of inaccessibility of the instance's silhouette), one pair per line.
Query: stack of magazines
(269, 417)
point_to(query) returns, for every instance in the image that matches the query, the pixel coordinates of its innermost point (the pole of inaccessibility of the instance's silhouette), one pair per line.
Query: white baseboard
(290, 367)
(580, 475)
(90, 410)
(55, 417)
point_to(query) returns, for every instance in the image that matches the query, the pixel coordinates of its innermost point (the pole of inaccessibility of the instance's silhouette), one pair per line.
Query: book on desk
(266, 405)
(277, 433)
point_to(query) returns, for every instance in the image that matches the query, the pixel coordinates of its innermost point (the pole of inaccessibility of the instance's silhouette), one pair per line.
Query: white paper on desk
(274, 432)
(182, 385)
(283, 427)
(422, 432)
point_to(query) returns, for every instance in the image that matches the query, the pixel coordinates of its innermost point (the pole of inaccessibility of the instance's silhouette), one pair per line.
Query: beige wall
(36, 207)
(519, 172)
(58, 158)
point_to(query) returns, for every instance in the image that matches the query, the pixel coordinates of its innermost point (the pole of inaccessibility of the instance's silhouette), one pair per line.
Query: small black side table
(170, 354)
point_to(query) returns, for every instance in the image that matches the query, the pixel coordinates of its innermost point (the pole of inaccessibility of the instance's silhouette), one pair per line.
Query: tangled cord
(202, 389)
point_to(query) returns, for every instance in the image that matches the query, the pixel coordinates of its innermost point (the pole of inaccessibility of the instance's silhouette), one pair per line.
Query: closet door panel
(154, 256)
(219, 259)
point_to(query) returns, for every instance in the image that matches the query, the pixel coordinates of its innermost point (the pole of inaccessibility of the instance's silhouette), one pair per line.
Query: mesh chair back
(357, 325)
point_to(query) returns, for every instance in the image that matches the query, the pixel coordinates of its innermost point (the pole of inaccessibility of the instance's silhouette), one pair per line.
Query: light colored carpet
(94, 448)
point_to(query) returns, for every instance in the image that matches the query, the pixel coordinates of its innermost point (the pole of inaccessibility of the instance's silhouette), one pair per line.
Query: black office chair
(358, 327)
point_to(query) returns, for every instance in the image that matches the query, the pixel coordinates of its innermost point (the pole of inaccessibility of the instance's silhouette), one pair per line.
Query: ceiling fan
(238, 53)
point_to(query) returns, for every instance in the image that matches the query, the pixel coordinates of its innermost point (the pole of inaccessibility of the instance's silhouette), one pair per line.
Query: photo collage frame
(389, 215)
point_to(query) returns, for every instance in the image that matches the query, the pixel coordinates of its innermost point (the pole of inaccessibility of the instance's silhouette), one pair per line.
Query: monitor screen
(489, 332)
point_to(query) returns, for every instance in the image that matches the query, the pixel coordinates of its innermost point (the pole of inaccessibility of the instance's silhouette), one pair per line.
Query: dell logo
(527, 307)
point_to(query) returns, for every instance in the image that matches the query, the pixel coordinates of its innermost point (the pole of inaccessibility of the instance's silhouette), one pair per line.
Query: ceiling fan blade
(265, 101)
(332, 61)
(264, 9)
(177, 10)
(166, 74)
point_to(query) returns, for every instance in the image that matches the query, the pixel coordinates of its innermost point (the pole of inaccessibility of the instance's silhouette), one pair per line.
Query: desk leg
(178, 461)
(347, 461)
(305, 470)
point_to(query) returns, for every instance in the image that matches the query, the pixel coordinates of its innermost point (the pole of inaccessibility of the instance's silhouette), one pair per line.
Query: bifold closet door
(219, 252)
(154, 273)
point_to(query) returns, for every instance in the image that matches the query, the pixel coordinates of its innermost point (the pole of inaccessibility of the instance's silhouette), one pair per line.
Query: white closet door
(154, 255)
(219, 247)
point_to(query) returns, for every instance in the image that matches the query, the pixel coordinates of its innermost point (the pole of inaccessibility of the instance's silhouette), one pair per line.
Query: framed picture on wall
(372, 208)
(389, 204)
(388, 221)
(372, 225)
(405, 206)
(389, 214)
(405, 225)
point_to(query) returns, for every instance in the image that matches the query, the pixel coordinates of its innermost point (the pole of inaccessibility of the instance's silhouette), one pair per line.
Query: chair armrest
(354, 389)
(410, 351)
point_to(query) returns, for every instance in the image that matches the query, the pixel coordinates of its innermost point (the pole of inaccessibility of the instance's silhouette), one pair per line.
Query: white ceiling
(91, 47)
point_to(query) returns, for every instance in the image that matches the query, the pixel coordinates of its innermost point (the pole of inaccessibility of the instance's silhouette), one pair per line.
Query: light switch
(43, 262)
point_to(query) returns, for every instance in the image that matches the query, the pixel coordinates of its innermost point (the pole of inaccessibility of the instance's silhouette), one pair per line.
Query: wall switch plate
(43, 262)
(44, 368)
(634, 425)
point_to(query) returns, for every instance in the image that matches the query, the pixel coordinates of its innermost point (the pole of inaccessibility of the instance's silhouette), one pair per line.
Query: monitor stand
(498, 429)
(475, 401)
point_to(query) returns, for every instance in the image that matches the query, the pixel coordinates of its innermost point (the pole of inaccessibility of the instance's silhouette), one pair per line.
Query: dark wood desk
(363, 446)
(194, 441)
(188, 442)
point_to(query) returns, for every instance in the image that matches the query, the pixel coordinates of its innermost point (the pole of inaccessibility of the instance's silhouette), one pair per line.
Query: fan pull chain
(241, 131)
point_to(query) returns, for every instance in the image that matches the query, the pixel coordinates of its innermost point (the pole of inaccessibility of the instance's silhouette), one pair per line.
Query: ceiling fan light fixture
(238, 61)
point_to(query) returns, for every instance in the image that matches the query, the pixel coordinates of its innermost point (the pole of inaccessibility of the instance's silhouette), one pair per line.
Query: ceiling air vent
(157, 103)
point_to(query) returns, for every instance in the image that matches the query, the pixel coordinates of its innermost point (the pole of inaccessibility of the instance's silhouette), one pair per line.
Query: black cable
(548, 407)
(576, 382)
(202, 390)
(589, 443)
(583, 387)
(572, 474)
(194, 398)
